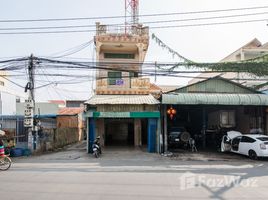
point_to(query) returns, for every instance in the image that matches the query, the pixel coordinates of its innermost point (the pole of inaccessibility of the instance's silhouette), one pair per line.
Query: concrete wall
(7, 104)
(43, 108)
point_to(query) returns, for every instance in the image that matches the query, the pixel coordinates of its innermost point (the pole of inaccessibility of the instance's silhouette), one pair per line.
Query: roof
(70, 111)
(217, 85)
(215, 99)
(122, 99)
(255, 136)
(167, 88)
(154, 87)
(255, 43)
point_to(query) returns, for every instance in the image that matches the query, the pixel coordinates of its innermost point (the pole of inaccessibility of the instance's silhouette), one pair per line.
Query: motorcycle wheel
(96, 154)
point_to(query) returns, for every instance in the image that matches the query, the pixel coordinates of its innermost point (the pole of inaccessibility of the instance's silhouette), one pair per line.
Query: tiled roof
(122, 99)
(70, 111)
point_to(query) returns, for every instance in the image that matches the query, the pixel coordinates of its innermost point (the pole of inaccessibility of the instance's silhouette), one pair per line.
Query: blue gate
(152, 127)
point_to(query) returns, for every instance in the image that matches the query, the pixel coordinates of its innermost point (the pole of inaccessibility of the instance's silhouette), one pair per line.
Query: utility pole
(29, 114)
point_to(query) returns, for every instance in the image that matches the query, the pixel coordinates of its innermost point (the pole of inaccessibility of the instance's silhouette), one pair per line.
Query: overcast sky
(198, 43)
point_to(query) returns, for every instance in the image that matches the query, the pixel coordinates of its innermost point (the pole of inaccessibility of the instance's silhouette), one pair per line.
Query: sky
(197, 43)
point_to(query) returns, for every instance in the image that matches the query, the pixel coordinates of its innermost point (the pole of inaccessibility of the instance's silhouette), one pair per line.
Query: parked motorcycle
(96, 148)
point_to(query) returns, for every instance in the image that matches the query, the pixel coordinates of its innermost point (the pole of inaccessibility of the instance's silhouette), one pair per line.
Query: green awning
(215, 99)
(155, 114)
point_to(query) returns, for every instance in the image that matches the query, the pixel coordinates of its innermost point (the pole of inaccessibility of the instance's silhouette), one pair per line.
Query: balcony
(124, 86)
(137, 30)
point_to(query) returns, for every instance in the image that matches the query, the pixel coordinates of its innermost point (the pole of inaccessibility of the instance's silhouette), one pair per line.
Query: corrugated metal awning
(215, 99)
(122, 99)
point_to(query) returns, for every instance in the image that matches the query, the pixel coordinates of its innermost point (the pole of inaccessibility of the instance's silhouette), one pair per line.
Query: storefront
(134, 123)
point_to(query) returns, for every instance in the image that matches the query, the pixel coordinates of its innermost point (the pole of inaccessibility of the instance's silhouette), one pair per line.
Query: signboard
(28, 122)
(119, 82)
(125, 114)
(114, 114)
(28, 113)
(28, 103)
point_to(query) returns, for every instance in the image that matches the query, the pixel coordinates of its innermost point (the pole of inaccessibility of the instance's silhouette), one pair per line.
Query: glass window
(263, 138)
(113, 76)
(247, 139)
(119, 55)
(133, 74)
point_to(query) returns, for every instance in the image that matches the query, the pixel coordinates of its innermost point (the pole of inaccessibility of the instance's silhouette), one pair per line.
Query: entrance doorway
(119, 132)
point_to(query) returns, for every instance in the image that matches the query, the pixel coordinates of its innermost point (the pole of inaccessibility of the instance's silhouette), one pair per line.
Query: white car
(252, 145)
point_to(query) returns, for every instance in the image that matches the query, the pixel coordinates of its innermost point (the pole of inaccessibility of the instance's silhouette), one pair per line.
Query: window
(119, 55)
(247, 139)
(2, 83)
(113, 77)
(133, 74)
(263, 138)
(227, 119)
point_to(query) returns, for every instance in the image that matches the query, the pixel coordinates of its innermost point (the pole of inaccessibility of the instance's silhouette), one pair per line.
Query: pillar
(101, 131)
(165, 129)
(137, 133)
(152, 127)
(91, 134)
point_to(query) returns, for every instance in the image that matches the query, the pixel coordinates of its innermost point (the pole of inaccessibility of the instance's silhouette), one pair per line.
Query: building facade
(209, 108)
(122, 112)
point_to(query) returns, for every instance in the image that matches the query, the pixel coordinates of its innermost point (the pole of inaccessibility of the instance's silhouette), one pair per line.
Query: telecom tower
(132, 10)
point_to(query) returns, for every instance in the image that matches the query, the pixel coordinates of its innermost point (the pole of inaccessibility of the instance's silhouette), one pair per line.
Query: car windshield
(177, 129)
(263, 138)
(174, 133)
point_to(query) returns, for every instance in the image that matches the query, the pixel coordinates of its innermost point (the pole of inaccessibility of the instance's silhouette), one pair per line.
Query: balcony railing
(119, 30)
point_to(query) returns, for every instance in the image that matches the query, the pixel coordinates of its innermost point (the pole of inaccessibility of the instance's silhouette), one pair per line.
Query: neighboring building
(41, 108)
(123, 111)
(74, 103)
(70, 124)
(207, 109)
(251, 50)
(60, 103)
(8, 97)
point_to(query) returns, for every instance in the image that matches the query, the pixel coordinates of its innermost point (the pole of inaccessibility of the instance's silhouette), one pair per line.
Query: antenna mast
(131, 12)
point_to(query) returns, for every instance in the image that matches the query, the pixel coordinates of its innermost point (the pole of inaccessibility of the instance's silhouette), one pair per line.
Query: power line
(72, 50)
(153, 27)
(212, 23)
(145, 15)
(145, 22)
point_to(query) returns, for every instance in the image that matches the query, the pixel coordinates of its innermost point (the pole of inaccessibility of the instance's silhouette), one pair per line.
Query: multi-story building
(8, 97)
(123, 111)
(250, 50)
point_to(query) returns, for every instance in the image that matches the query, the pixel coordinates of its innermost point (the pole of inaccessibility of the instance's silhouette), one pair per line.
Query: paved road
(132, 174)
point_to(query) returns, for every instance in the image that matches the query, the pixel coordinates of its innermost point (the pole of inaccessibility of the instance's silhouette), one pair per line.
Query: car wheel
(252, 155)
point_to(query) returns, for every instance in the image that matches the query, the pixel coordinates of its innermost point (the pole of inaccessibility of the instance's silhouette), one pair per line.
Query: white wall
(7, 103)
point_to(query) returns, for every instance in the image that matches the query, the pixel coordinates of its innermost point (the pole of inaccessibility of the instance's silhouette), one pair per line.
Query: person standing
(2, 148)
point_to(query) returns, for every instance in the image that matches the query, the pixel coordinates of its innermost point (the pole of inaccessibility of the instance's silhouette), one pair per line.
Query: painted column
(91, 133)
(204, 127)
(137, 133)
(152, 127)
(165, 129)
(159, 139)
(101, 131)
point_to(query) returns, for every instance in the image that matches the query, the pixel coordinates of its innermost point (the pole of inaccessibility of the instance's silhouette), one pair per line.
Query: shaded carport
(206, 102)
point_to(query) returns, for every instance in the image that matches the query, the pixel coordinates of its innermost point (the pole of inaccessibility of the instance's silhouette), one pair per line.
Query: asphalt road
(131, 174)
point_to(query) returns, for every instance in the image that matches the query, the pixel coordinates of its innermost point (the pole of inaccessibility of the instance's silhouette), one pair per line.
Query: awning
(122, 99)
(155, 114)
(215, 99)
